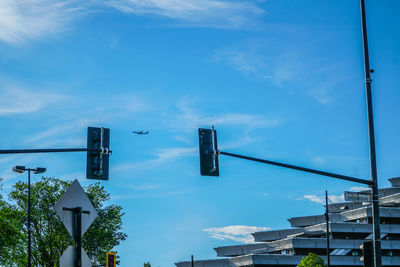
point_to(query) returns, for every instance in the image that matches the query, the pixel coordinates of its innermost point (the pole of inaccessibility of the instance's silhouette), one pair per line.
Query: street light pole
(37, 170)
(371, 133)
(29, 220)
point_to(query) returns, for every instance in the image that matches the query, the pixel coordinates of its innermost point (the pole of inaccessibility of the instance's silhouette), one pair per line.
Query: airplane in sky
(141, 132)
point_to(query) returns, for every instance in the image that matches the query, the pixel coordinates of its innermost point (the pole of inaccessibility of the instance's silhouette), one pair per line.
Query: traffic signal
(368, 253)
(97, 160)
(208, 152)
(111, 259)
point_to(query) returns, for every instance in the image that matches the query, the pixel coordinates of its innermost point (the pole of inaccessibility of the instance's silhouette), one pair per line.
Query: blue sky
(279, 79)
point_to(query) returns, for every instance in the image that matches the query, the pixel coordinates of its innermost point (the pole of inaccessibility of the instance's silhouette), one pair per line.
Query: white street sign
(357, 196)
(68, 258)
(75, 197)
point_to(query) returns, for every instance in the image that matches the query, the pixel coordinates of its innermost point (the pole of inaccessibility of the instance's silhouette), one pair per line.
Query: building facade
(350, 225)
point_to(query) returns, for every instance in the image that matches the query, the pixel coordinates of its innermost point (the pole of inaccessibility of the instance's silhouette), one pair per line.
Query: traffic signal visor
(111, 259)
(208, 152)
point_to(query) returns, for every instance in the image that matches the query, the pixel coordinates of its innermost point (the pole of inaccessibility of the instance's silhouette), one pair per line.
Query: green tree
(312, 260)
(10, 233)
(49, 236)
(146, 264)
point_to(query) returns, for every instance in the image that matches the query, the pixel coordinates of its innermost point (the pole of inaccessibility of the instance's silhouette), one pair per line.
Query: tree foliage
(146, 264)
(11, 231)
(49, 236)
(312, 260)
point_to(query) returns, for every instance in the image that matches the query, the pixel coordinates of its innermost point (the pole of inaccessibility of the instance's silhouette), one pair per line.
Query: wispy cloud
(188, 119)
(238, 233)
(15, 100)
(67, 127)
(162, 156)
(6, 174)
(31, 19)
(280, 65)
(288, 67)
(151, 195)
(321, 199)
(133, 103)
(318, 160)
(207, 13)
(66, 132)
(142, 187)
(48, 135)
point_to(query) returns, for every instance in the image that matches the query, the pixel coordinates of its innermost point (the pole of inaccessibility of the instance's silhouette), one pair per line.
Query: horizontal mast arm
(294, 167)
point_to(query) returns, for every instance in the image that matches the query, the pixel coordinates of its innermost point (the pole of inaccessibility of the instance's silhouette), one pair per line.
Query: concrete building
(350, 225)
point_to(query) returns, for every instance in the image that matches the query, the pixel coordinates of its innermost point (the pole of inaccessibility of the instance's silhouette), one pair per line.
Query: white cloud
(238, 233)
(144, 187)
(287, 66)
(282, 65)
(69, 128)
(315, 198)
(188, 119)
(31, 19)
(66, 131)
(162, 155)
(321, 199)
(15, 100)
(151, 195)
(209, 13)
(318, 160)
(6, 174)
(130, 102)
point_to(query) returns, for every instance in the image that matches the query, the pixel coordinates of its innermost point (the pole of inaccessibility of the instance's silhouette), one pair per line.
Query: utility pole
(372, 151)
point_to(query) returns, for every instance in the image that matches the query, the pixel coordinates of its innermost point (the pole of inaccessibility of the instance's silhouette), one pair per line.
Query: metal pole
(374, 175)
(29, 219)
(78, 238)
(50, 150)
(294, 167)
(192, 261)
(327, 229)
(78, 233)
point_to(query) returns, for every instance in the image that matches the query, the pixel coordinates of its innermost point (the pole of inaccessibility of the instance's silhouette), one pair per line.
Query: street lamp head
(19, 169)
(38, 170)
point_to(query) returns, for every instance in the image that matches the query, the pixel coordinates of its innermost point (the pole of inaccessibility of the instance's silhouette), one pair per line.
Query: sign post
(77, 214)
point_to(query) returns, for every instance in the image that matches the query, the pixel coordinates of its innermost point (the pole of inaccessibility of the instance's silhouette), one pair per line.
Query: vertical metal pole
(374, 175)
(29, 219)
(192, 261)
(327, 229)
(78, 237)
